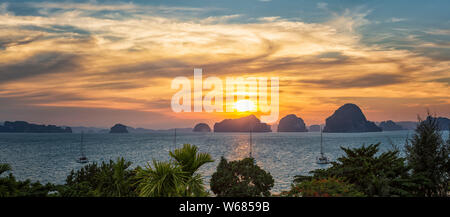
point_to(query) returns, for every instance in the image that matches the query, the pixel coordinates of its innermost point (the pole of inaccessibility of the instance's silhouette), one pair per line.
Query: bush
(241, 178)
(10, 187)
(375, 175)
(113, 179)
(328, 187)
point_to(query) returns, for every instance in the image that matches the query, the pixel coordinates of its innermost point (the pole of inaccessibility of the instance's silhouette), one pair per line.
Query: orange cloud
(73, 59)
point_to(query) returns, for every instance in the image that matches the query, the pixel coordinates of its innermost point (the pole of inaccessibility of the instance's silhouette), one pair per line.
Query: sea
(48, 157)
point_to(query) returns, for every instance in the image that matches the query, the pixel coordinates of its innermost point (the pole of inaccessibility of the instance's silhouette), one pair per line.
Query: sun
(245, 105)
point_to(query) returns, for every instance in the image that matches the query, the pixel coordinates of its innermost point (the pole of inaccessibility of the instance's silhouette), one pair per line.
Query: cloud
(220, 19)
(110, 7)
(38, 65)
(365, 81)
(442, 80)
(350, 20)
(322, 5)
(91, 59)
(396, 20)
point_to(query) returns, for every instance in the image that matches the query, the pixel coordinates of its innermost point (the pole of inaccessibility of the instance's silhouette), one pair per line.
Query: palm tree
(177, 178)
(121, 177)
(115, 178)
(189, 159)
(162, 180)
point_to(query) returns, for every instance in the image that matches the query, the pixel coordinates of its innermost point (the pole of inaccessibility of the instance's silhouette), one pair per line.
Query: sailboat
(82, 159)
(322, 159)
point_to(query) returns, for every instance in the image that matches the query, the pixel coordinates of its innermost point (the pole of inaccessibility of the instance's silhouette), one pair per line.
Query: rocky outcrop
(201, 127)
(245, 124)
(119, 128)
(314, 128)
(390, 126)
(349, 119)
(25, 127)
(291, 123)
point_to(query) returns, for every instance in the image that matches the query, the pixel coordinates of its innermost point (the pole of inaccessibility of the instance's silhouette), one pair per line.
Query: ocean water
(50, 157)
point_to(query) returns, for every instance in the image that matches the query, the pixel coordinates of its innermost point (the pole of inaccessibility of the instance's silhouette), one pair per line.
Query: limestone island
(201, 127)
(119, 128)
(25, 127)
(390, 126)
(244, 124)
(349, 119)
(291, 123)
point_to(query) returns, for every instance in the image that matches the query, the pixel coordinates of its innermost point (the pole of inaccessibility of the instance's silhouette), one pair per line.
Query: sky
(97, 63)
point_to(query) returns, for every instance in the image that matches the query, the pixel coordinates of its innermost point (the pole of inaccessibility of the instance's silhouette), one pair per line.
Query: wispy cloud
(127, 62)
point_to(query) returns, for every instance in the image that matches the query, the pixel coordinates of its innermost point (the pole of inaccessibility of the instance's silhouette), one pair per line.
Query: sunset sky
(97, 63)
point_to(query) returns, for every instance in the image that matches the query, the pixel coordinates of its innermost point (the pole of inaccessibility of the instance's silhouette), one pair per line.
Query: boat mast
(321, 139)
(81, 145)
(175, 139)
(251, 148)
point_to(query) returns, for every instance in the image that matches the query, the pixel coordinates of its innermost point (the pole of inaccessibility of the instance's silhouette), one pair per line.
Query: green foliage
(176, 178)
(188, 158)
(113, 179)
(4, 168)
(10, 187)
(328, 187)
(241, 178)
(382, 175)
(428, 156)
(164, 179)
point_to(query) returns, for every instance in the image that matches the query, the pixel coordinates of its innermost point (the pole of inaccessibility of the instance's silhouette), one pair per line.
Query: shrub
(10, 187)
(375, 175)
(113, 179)
(327, 187)
(241, 178)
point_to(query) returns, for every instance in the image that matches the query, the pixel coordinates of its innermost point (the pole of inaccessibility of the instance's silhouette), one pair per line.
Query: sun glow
(245, 105)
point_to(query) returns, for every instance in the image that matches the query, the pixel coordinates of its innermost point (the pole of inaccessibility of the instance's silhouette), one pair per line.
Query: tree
(175, 178)
(242, 178)
(428, 156)
(164, 179)
(382, 175)
(189, 159)
(113, 179)
(10, 187)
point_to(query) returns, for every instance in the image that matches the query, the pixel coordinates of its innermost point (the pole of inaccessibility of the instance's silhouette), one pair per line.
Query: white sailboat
(82, 159)
(322, 159)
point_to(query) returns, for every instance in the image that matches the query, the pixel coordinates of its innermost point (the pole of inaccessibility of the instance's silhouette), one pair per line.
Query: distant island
(291, 123)
(244, 124)
(201, 127)
(390, 126)
(25, 127)
(119, 128)
(407, 125)
(349, 119)
(314, 128)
